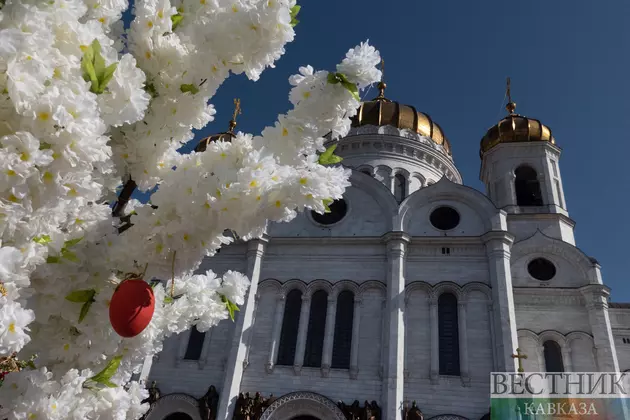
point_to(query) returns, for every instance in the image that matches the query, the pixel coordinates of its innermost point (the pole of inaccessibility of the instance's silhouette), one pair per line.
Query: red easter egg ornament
(131, 307)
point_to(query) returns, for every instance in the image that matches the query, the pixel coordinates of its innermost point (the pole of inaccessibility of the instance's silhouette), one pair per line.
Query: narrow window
(316, 330)
(290, 325)
(342, 343)
(527, 187)
(448, 334)
(553, 357)
(195, 344)
(400, 187)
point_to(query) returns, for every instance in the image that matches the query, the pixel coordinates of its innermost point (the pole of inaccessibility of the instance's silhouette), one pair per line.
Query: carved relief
(412, 413)
(251, 408)
(369, 411)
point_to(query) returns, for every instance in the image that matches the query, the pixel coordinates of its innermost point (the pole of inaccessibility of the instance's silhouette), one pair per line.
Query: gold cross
(237, 108)
(511, 106)
(520, 358)
(237, 111)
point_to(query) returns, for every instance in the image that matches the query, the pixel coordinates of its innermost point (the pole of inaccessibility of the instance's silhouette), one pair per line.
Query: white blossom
(70, 136)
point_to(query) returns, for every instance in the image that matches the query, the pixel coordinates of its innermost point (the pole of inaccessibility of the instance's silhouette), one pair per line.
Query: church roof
(619, 305)
(381, 111)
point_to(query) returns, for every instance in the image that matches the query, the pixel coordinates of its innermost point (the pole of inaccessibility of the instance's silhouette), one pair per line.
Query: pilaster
(275, 334)
(498, 245)
(393, 383)
(329, 334)
(242, 331)
(305, 313)
(596, 296)
(356, 326)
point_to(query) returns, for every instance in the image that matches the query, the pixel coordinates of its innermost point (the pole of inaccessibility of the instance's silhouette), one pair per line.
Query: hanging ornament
(131, 307)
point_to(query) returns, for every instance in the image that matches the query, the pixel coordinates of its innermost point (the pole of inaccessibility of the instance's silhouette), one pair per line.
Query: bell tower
(520, 168)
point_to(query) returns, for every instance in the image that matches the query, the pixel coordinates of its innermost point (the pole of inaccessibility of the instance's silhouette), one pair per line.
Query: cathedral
(400, 302)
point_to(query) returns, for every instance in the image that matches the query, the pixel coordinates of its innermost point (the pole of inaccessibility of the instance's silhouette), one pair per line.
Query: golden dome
(227, 136)
(380, 111)
(515, 129)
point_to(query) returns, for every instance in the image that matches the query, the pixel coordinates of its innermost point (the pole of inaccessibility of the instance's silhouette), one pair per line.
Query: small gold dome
(381, 111)
(227, 136)
(515, 128)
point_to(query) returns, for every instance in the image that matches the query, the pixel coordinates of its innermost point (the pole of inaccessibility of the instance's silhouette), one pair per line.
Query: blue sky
(569, 61)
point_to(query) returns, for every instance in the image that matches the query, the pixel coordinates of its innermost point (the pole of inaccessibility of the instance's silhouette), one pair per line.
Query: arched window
(527, 187)
(367, 172)
(316, 330)
(195, 344)
(448, 334)
(290, 325)
(400, 187)
(553, 357)
(342, 343)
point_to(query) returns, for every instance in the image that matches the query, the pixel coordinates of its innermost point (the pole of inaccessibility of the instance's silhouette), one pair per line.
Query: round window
(338, 210)
(444, 218)
(541, 269)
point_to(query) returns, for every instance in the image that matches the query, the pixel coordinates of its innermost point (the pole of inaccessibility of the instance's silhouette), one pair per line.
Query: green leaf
(326, 203)
(69, 255)
(44, 239)
(294, 12)
(44, 146)
(168, 299)
(189, 88)
(230, 306)
(176, 20)
(87, 65)
(84, 310)
(327, 158)
(81, 296)
(99, 61)
(107, 76)
(334, 78)
(150, 88)
(52, 260)
(72, 242)
(104, 376)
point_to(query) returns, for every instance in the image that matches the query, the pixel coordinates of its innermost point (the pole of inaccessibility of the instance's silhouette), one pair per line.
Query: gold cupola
(381, 111)
(226, 136)
(515, 128)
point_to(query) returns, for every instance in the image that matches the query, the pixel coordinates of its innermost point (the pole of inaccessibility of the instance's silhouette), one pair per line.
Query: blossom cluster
(85, 103)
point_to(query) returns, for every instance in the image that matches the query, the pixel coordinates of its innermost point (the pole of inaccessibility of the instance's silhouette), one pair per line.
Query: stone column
(381, 369)
(498, 245)
(242, 331)
(406, 327)
(356, 329)
(596, 296)
(566, 358)
(463, 343)
(393, 382)
(492, 337)
(329, 335)
(275, 334)
(435, 340)
(302, 331)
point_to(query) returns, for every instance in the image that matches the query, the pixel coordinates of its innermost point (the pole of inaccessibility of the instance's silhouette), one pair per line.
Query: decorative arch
(381, 194)
(447, 287)
(372, 284)
(574, 335)
(525, 333)
(527, 186)
(418, 286)
(302, 404)
(539, 243)
(366, 168)
(401, 171)
(477, 287)
(272, 284)
(294, 284)
(553, 335)
(445, 189)
(342, 285)
(174, 403)
(319, 284)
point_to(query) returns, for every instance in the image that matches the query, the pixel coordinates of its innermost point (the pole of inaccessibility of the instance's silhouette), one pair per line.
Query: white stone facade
(397, 265)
